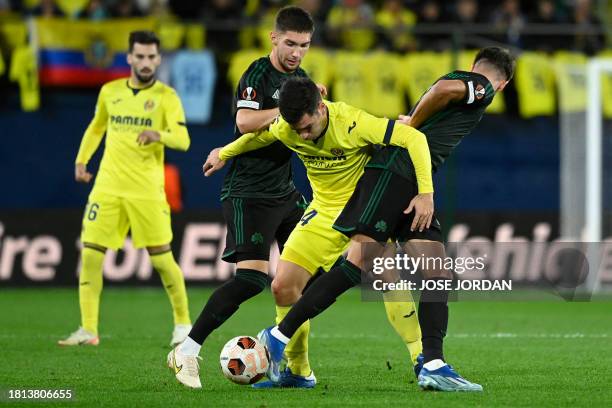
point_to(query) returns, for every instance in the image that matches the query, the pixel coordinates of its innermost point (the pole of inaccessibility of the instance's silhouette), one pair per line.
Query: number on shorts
(308, 216)
(93, 213)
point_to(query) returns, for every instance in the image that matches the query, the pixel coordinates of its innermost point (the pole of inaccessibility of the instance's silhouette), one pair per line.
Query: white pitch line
(314, 335)
(478, 336)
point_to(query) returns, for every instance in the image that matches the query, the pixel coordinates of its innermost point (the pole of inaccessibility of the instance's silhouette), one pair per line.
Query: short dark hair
(498, 57)
(292, 18)
(143, 37)
(298, 96)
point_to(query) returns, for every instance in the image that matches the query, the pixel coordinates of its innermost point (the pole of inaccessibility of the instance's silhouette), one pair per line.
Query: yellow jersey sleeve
(381, 131)
(95, 131)
(246, 143)
(416, 143)
(175, 136)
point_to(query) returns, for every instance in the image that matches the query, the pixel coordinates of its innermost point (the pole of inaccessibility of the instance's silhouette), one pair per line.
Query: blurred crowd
(396, 25)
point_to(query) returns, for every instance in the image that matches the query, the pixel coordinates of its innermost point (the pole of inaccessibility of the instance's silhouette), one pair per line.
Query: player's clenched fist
(213, 163)
(147, 137)
(81, 174)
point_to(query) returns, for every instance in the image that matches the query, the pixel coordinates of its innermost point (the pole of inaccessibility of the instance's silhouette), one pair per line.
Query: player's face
(310, 127)
(289, 48)
(144, 60)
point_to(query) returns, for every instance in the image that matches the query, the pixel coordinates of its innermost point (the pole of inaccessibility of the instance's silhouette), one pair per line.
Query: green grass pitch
(524, 354)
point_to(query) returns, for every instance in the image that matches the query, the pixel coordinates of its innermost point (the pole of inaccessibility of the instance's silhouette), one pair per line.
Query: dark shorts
(254, 223)
(376, 209)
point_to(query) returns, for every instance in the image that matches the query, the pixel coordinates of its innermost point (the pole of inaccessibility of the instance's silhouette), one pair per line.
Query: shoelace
(192, 365)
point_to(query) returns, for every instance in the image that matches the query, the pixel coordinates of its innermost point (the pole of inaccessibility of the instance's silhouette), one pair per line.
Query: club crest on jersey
(479, 92)
(337, 152)
(249, 94)
(149, 105)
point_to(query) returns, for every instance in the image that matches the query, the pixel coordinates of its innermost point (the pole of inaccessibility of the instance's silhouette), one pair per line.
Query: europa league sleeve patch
(248, 99)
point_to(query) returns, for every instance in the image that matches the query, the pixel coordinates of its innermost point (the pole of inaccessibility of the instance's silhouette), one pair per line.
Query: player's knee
(284, 292)
(363, 250)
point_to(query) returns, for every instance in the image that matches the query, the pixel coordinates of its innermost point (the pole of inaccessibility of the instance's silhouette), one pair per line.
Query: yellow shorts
(314, 243)
(108, 218)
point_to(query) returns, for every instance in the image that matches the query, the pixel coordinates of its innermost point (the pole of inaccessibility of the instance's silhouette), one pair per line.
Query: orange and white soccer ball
(244, 360)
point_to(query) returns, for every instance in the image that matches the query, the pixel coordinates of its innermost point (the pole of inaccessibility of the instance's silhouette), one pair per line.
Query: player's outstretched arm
(250, 120)
(416, 143)
(245, 143)
(418, 149)
(369, 129)
(91, 139)
(434, 100)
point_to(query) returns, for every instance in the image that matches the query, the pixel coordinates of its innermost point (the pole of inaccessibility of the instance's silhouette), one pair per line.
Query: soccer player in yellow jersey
(140, 117)
(446, 113)
(335, 141)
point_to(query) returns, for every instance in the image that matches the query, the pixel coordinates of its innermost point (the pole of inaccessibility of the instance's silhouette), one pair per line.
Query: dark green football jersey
(445, 129)
(267, 172)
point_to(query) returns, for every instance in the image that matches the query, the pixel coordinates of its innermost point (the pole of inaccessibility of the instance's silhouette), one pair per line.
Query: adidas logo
(276, 95)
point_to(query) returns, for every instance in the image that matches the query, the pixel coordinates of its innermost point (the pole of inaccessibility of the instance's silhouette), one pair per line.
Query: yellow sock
(90, 287)
(174, 283)
(402, 315)
(297, 349)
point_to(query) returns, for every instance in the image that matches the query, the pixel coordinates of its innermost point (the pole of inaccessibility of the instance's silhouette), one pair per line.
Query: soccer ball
(244, 360)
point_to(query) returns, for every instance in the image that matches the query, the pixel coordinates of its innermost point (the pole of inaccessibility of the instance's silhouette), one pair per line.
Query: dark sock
(433, 318)
(312, 279)
(321, 295)
(320, 272)
(226, 300)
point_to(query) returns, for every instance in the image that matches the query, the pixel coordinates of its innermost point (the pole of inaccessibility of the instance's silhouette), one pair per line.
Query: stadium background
(502, 183)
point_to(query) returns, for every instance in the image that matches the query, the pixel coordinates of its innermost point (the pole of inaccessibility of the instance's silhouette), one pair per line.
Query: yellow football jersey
(123, 112)
(335, 161)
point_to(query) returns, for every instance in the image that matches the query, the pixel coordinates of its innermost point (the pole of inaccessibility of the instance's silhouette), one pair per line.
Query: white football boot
(186, 369)
(80, 337)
